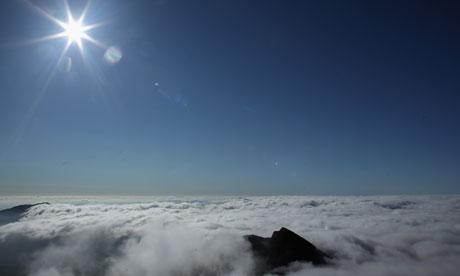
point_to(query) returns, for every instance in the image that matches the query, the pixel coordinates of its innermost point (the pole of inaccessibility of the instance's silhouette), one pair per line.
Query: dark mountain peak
(283, 248)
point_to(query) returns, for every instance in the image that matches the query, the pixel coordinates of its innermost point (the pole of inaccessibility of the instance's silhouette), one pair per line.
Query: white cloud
(392, 235)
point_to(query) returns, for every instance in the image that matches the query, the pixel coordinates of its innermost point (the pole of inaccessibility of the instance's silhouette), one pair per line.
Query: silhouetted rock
(15, 213)
(283, 248)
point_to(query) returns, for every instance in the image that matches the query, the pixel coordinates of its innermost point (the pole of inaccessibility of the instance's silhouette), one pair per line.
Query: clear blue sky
(233, 97)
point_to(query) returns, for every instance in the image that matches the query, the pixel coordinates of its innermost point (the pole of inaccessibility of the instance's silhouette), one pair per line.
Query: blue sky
(233, 97)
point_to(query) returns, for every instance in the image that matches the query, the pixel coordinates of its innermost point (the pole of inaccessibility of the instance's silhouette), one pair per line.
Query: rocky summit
(283, 248)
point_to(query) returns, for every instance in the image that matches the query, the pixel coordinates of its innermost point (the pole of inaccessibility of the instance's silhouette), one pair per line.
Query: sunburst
(74, 30)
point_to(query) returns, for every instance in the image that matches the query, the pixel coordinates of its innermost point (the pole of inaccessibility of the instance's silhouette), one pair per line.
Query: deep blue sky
(252, 98)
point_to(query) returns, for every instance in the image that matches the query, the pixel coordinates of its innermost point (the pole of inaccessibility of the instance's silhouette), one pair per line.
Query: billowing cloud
(392, 235)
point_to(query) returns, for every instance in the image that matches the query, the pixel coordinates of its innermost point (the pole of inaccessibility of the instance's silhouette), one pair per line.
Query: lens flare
(65, 65)
(113, 55)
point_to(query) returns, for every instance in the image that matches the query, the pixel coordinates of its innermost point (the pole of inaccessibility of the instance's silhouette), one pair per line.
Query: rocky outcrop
(283, 248)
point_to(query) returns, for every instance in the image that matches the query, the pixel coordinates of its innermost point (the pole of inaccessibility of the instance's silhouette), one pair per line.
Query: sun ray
(75, 32)
(67, 9)
(48, 37)
(80, 47)
(92, 26)
(36, 40)
(45, 14)
(85, 10)
(96, 42)
(40, 96)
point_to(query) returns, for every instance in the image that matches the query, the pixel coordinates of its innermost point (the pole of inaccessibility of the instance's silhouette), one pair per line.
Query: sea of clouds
(378, 235)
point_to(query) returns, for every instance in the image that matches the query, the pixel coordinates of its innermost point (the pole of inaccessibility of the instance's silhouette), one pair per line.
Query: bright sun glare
(74, 31)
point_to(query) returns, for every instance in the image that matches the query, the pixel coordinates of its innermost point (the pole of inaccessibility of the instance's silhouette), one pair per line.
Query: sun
(74, 31)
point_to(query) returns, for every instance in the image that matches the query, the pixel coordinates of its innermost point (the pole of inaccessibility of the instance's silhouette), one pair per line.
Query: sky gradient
(233, 97)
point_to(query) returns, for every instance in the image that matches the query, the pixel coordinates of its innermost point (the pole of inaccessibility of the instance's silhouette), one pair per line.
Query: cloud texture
(391, 235)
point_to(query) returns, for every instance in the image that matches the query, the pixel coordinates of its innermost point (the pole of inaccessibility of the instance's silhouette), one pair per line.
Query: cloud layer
(391, 235)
